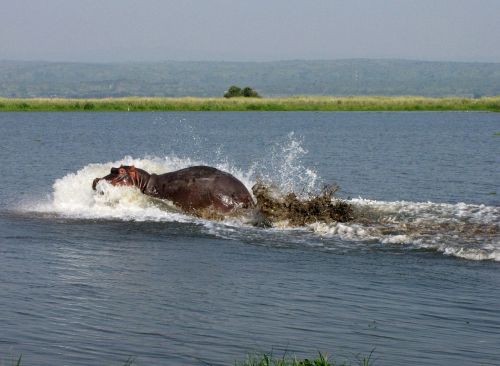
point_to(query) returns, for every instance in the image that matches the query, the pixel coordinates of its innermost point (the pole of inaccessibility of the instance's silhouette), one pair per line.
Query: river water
(93, 278)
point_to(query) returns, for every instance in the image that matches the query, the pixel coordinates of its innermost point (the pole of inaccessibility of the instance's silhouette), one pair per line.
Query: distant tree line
(236, 91)
(273, 79)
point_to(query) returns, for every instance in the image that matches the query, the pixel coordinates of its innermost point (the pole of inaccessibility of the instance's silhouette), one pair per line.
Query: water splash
(462, 230)
(284, 168)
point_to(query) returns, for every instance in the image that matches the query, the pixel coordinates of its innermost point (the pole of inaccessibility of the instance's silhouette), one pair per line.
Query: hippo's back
(201, 187)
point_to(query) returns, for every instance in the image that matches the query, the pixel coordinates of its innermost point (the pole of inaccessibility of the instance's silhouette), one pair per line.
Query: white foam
(462, 230)
(346, 231)
(436, 211)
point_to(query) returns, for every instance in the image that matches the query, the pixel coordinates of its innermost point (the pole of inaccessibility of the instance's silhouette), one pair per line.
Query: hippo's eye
(122, 171)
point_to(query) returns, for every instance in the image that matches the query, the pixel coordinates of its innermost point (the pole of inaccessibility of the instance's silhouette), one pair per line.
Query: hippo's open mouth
(114, 177)
(121, 176)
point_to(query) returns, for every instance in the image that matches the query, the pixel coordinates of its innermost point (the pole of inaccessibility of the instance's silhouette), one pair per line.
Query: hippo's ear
(132, 167)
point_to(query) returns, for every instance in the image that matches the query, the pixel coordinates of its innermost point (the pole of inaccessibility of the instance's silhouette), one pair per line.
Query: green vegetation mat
(320, 103)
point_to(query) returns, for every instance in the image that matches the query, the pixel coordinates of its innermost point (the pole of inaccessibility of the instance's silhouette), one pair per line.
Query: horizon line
(244, 62)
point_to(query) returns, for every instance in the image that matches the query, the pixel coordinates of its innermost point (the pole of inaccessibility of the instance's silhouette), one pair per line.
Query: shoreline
(286, 104)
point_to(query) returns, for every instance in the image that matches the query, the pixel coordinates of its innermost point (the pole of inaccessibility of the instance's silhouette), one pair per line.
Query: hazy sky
(249, 30)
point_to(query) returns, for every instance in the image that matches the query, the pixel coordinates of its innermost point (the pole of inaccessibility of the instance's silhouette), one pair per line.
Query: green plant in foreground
(366, 361)
(322, 360)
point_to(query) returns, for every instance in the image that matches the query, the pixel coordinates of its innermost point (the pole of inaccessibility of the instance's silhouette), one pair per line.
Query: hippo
(198, 190)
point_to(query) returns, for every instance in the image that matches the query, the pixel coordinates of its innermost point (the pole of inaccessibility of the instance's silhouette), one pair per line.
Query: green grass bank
(320, 103)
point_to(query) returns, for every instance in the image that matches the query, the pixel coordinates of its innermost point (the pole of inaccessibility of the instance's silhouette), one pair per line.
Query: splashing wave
(463, 230)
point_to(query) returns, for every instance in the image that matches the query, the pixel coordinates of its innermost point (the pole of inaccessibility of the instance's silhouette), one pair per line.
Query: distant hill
(281, 78)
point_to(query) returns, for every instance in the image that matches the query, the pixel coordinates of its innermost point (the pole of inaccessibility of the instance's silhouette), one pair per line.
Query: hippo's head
(125, 175)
